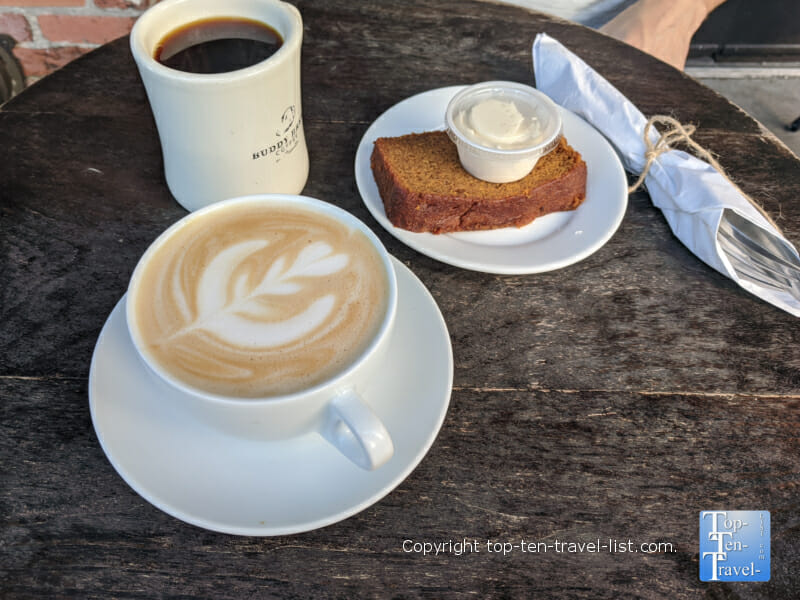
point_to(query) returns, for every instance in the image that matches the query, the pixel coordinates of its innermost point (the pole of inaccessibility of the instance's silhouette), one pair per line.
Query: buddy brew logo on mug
(286, 140)
(734, 545)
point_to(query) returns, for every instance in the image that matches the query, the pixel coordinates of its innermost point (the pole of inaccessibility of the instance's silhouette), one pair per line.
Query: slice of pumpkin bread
(424, 187)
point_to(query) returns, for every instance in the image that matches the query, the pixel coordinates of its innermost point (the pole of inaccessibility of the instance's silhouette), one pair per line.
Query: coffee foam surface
(260, 300)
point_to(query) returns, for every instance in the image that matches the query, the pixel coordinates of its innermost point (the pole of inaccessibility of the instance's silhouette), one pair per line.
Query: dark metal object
(12, 79)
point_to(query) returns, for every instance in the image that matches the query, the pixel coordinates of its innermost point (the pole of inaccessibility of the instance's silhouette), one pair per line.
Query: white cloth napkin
(690, 192)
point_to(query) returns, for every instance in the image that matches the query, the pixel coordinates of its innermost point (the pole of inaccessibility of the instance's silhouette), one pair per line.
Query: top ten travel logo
(734, 545)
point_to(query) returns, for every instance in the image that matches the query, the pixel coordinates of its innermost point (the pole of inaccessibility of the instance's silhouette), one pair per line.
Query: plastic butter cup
(501, 129)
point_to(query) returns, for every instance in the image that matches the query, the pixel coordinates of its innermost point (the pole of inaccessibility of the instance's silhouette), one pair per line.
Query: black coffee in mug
(218, 45)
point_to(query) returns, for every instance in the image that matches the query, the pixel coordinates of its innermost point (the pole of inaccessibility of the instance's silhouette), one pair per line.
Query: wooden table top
(612, 399)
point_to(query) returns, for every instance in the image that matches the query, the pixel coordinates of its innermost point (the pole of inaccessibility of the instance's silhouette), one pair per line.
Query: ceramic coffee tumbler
(226, 134)
(335, 408)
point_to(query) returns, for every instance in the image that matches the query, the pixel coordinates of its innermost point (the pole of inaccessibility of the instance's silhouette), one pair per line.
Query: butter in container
(501, 129)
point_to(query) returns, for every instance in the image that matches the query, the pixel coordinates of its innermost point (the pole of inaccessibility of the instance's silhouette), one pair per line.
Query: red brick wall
(50, 33)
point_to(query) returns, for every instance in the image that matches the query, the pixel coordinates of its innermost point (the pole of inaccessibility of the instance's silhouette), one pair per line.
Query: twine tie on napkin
(677, 132)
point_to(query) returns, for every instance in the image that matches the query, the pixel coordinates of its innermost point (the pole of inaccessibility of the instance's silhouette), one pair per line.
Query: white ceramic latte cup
(229, 134)
(336, 407)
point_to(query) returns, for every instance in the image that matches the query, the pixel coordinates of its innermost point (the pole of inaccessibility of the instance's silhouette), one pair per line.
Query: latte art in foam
(260, 300)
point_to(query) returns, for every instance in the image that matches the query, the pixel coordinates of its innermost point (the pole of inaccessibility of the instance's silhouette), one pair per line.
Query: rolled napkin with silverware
(704, 208)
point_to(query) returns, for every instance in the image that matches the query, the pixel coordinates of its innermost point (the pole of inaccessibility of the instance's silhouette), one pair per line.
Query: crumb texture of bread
(424, 188)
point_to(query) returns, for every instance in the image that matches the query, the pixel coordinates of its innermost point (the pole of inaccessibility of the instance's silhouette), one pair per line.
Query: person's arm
(663, 28)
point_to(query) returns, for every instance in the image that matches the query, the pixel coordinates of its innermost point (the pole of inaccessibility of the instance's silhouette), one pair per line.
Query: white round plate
(227, 484)
(549, 242)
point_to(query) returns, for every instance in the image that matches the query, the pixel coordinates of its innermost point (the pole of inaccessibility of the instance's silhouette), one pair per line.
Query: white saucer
(548, 243)
(226, 484)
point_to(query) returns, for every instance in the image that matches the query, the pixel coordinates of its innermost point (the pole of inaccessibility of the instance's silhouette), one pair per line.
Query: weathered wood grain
(615, 398)
(508, 466)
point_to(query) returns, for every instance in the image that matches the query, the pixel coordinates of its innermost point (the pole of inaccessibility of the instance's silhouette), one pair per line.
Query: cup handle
(357, 432)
